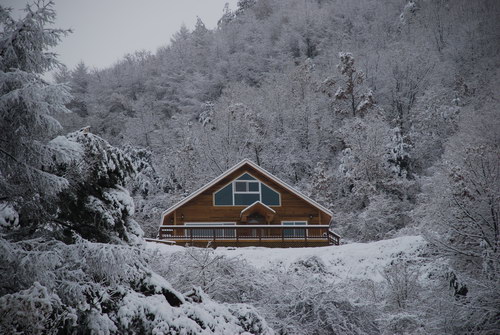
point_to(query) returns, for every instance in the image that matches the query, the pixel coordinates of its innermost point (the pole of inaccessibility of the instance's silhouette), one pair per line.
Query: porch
(281, 236)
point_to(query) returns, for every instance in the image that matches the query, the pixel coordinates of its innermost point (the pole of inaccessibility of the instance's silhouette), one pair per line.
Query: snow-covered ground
(350, 261)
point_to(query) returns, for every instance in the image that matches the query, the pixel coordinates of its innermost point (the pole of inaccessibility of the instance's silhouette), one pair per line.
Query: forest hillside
(385, 112)
(357, 103)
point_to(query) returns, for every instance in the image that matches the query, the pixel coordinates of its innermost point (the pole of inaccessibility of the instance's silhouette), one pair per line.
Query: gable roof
(244, 162)
(258, 203)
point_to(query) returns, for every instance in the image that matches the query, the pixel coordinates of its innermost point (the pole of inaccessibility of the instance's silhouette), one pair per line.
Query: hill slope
(359, 288)
(349, 261)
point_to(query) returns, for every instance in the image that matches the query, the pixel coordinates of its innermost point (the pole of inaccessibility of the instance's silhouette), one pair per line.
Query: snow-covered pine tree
(27, 106)
(352, 97)
(79, 83)
(96, 206)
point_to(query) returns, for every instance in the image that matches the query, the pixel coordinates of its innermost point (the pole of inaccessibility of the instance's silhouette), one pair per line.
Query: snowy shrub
(312, 264)
(404, 323)
(222, 278)
(304, 305)
(85, 287)
(34, 311)
(402, 283)
(9, 218)
(293, 300)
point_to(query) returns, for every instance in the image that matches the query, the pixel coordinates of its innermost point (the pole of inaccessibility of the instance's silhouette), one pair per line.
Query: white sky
(106, 30)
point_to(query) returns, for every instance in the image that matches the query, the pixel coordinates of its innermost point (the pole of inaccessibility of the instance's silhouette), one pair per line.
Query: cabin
(247, 206)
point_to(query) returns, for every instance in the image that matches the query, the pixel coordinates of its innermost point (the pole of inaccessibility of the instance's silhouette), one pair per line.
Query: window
(209, 232)
(246, 187)
(269, 196)
(294, 232)
(224, 197)
(244, 191)
(245, 199)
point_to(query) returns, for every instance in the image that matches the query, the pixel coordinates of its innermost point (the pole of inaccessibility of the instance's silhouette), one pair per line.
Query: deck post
(282, 237)
(213, 231)
(237, 236)
(191, 234)
(260, 236)
(305, 236)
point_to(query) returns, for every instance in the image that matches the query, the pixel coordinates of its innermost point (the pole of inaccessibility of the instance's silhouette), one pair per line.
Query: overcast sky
(105, 30)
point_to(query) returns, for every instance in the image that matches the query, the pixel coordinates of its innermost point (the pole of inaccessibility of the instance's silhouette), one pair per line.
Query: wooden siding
(202, 209)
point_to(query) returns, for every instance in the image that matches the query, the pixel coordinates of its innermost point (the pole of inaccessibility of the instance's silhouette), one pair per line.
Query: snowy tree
(96, 205)
(207, 114)
(355, 99)
(150, 192)
(370, 184)
(79, 89)
(27, 106)
(402, 282)
(463, 212)
(230, 139)
(321, 184)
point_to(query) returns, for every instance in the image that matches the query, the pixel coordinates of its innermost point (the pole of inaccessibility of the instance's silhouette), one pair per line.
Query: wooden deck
(277, 236)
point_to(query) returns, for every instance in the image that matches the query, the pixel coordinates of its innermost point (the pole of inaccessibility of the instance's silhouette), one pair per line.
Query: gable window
(224, 197)
(294, 232)
(246, 187)
(244, 191)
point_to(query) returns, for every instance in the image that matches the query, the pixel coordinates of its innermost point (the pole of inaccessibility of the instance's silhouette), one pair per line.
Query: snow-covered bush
(51, 287)
(9, 218)
(294, 300)
(34, 311)
(404, 323)
(222, 278)
(402, 284)
(305, 305)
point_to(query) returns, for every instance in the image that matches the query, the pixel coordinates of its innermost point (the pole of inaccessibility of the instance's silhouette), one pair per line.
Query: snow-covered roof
(233, 169)
(255, 203)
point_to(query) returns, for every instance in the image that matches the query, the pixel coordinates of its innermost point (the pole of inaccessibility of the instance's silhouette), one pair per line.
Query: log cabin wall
(202, 209)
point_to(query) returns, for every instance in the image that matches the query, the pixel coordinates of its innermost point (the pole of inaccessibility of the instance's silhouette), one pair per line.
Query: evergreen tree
(27, 106)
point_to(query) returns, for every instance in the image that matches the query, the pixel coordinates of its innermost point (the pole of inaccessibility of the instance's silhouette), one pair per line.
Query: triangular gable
(260, 208)
(235, 168)
(255, 204)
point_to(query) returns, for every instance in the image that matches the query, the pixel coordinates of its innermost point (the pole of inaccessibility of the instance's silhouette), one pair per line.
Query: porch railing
(249, 233)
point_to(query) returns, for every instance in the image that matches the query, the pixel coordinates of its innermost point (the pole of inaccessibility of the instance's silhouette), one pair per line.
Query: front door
(253, 219)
